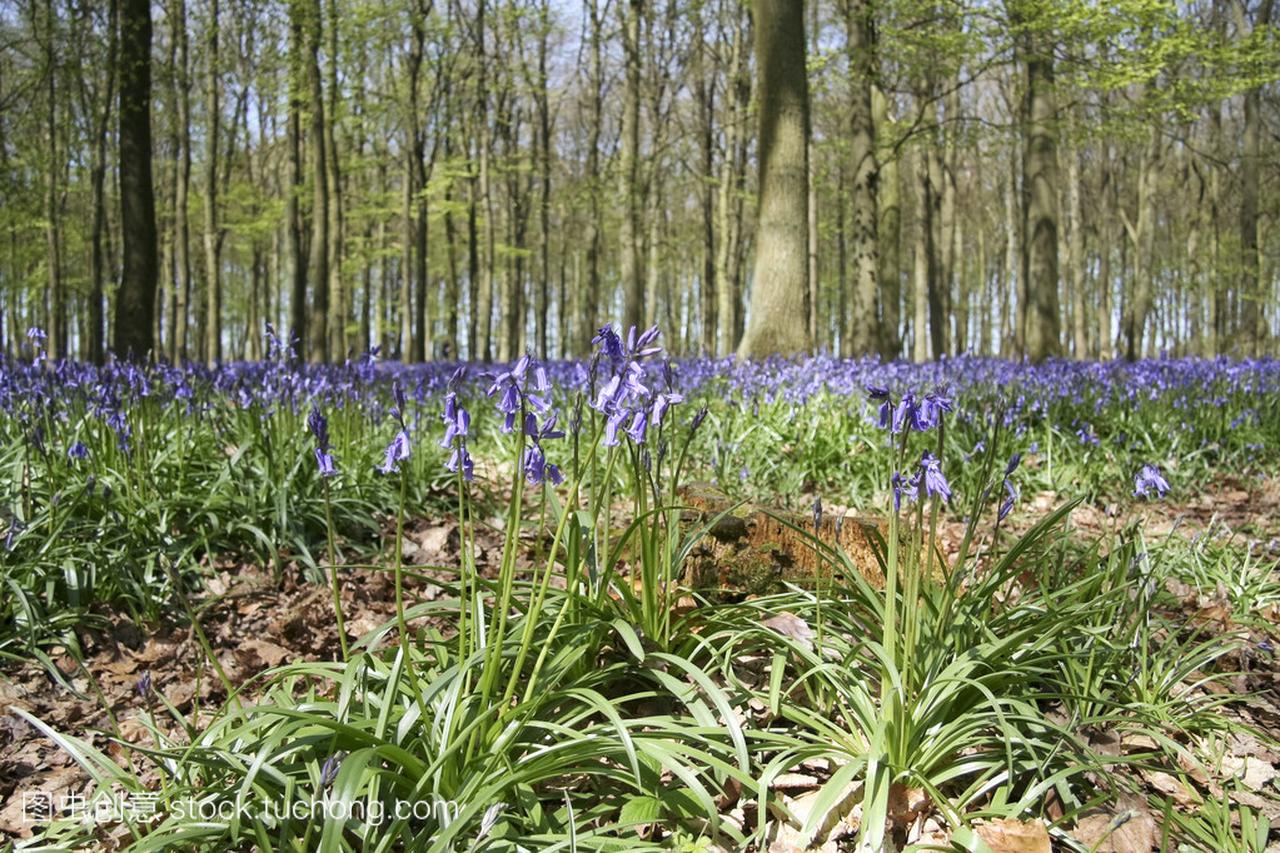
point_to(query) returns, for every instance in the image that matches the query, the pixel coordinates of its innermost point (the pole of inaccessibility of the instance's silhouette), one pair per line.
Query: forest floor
(254, 621)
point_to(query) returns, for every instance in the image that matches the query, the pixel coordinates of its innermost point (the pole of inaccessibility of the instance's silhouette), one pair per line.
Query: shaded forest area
(478, 178)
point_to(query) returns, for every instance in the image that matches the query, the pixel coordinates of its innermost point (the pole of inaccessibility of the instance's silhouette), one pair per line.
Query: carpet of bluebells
(572, 701)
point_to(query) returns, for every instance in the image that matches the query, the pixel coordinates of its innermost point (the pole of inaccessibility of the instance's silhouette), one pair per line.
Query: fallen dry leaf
(1131, 829)
(1015, 836)
(790, 625)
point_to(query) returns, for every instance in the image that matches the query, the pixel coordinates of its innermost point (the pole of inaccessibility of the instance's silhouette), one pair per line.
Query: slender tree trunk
(1141, 232)
(780, 273)
(97, 273)
(409, 348)
(632, 275)
(704, 97)
(921, 236)
(1252, 292)
(212, 245)
(294, 233)
(135, 301)
(57, 322)
(729, 202)
(338, 313)
(318, 265)
(543, 306)
(1075, 257)
(889, 237)
(589, 315)
(860, 327)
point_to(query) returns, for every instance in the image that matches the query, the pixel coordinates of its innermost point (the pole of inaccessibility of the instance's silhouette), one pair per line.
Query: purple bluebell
(397, 451)
(903, 487)
(329, 770)
(1006, 505)
(935, 482)
(1149, 481)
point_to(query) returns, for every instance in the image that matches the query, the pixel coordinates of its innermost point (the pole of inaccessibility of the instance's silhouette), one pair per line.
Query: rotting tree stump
(755, 550)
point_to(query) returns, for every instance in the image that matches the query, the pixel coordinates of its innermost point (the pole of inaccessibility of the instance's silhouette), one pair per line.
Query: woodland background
(478, 178)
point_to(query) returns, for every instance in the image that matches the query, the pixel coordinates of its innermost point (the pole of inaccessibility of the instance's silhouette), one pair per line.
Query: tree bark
(1040, 184)
(318, 265)
(631, 272)
(97, 263)
(57, 321)
(889, 237)
(781, 271)
(860, 327)
(212, 245)
(135, 302)
(294, 233)
(1252, 291)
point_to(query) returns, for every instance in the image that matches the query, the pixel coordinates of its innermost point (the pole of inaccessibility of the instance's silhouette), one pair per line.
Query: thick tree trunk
(1040, 184)
(780, 273)
(135, 301)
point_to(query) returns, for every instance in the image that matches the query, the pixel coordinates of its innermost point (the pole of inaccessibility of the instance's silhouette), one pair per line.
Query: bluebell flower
(1006, 505)
(324, 461)
(935, 483)
(329, 770)
(397, 451)
(903, 487)
(1014, 461)
(461, 457)
(78, 451)
(1150, 480)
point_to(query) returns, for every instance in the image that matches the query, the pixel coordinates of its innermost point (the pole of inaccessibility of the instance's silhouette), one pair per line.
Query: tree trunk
(543, 305)
(780, 273)
(921, 237)
(294, 232)
(1040, 183)
(338, 313)
(57, 321)
(631, 272)
(318, 264)
(589, 315)
(1075, 255)
(212, 245)
(1141, 232)
(97, 273)
(1252, 291)
(135, 301)
(889, 237)
(859, 326)
(704, 97)
(732, 175)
